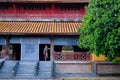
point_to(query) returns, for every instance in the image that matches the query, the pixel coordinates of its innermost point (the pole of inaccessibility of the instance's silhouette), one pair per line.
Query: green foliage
(100, 31)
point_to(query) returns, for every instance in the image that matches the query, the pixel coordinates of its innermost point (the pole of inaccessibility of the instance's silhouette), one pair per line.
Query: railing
(15, 68)
(36, 68)
(71, 56)
(42, 16)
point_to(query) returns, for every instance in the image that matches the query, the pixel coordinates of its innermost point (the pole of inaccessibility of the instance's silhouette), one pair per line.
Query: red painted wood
(48, 9)
(71, 56)
(50, 12)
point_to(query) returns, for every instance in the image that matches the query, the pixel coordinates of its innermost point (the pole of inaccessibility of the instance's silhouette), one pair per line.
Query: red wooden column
(51, 47)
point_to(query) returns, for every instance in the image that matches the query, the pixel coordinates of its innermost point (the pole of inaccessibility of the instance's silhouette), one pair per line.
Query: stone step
(45, 74)
(44, 77)
(44, 66)
(43, 69)
(6, 71)
(28, 62)
(45, 63)
(19, 77)
(27, 65)
(26, 71)
(8, 66)
(26, 74)
(8, 74)
(26, 68)
(9, 63)
(6, 77)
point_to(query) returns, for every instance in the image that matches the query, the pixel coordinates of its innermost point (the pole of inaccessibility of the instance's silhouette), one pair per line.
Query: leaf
(100, 31)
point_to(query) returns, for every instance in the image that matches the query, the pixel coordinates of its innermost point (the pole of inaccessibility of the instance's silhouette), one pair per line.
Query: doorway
(16, 52)
(0, 51)
(41, 49)
(0, 47)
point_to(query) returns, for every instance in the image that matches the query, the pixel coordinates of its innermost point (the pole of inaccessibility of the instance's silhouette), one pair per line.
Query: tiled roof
(38, 28)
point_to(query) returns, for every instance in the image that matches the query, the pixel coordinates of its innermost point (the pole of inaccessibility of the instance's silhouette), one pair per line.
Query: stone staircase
(45, 69)
(40, 70)
(27, 69)
(7, 69)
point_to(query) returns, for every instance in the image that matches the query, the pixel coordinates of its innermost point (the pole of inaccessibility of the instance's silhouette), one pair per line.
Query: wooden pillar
(52, 54)
(7, 46)
(51, 48)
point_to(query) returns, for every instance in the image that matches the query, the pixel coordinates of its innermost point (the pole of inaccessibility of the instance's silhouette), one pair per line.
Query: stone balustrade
(72, 56)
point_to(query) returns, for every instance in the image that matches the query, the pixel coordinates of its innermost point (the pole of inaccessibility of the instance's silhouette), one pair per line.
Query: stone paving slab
(28, 79)
(1, 60)
(89, 78)
(74, 78)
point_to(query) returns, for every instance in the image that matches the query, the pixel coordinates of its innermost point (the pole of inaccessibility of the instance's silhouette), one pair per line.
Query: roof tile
(39, 27)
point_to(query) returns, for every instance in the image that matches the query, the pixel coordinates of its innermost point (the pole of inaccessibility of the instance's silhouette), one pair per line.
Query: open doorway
(0, 47)
(16, 51)
(41, 49)
(0, 51)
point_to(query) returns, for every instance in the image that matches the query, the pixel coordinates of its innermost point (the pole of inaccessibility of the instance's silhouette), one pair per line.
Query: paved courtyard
(75, 78)
(89, 78)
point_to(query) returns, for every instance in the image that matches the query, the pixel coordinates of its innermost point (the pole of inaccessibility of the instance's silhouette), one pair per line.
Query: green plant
(100, 31)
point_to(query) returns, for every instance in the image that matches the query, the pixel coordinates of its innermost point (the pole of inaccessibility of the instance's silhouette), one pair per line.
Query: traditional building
(26, 26)
(29, 25)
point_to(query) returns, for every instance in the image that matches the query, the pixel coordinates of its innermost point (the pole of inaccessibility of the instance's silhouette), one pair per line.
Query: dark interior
(41, 55)
(58, 48)
(16, 51)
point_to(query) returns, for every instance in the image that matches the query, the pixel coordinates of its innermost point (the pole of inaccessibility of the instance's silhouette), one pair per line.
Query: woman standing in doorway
(45, 52)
